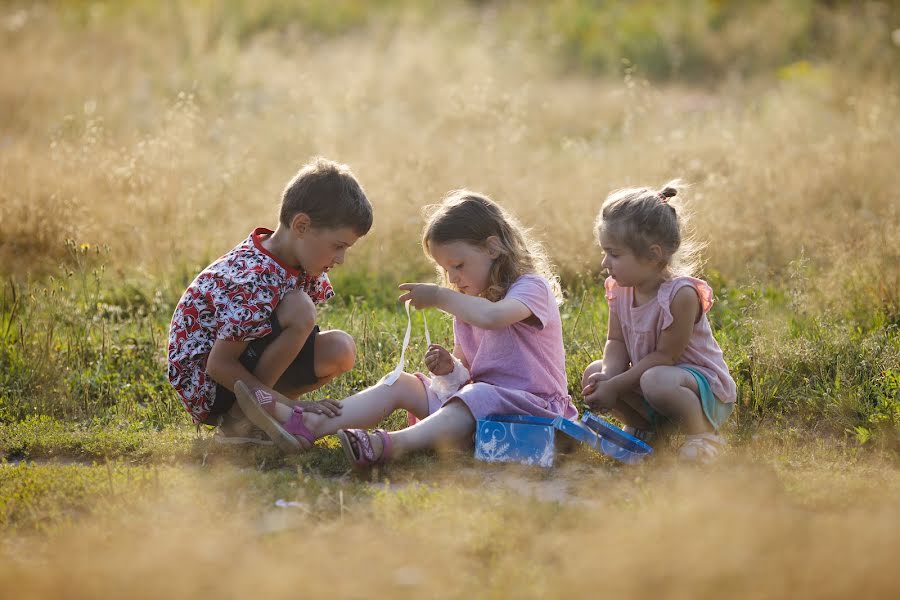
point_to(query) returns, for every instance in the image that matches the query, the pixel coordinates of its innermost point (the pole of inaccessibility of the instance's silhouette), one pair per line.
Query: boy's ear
(301, 223)
(493, 246)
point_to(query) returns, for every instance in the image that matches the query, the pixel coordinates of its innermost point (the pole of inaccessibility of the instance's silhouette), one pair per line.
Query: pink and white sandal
(285, 436)
(359, 450)
(701, 447)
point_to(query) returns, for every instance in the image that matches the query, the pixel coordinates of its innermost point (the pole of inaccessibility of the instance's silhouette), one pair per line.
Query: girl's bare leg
(370, 406)
(449, 426)
(674, 393)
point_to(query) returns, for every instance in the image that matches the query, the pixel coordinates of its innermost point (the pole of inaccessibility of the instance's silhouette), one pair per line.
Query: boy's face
(466, 266)
(318, 250)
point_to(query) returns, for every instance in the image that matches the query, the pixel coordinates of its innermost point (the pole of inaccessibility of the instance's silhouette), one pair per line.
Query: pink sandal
(284, 435)
(366, 452)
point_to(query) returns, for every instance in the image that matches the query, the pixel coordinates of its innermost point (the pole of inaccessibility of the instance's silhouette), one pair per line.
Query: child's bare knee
(342, 350)
(594, 367)
(654, 382)
(296, 310)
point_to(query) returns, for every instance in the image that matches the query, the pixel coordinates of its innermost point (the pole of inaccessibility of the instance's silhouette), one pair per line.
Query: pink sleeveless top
(641, 326)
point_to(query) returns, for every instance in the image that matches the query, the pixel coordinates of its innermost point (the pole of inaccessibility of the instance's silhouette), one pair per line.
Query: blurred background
(167, 130)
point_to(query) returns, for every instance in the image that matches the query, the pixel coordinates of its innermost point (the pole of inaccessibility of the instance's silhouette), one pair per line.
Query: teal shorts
(716, 411)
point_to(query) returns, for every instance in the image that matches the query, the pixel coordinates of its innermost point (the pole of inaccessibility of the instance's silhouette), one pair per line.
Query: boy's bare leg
(370, 406)
(335, 355)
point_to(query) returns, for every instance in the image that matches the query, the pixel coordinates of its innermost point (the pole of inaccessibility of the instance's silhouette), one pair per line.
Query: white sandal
(702, 447)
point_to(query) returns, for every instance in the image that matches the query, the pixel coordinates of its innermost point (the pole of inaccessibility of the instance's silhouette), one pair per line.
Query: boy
(251, 315)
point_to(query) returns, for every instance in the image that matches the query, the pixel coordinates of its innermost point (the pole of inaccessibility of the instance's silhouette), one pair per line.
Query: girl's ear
(656, 253)
(300, 224)
(492, 245)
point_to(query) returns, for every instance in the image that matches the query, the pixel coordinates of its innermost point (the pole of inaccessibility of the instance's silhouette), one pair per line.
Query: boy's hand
(439, 360)
(329, 408)
(421, 295)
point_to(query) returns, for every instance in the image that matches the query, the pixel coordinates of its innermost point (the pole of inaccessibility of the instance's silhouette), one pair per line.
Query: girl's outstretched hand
(438, 360)
(421, 295)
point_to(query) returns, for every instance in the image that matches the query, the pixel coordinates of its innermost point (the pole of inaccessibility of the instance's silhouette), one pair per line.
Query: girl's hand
(600, 393)
(439, 360)
(421, 295)
(592, 382)
(329, 408)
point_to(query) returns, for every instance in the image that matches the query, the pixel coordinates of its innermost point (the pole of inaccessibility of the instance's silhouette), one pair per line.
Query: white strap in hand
(394, 375)
(444, 386)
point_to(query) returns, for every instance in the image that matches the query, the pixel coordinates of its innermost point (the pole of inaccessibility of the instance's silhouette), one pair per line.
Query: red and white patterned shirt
(232, 299)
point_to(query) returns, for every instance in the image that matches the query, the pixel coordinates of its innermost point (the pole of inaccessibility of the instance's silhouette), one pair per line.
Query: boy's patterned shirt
(232, 299)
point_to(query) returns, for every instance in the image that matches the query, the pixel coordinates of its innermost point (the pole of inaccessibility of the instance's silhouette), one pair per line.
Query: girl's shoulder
(670, 288)
(529, 283)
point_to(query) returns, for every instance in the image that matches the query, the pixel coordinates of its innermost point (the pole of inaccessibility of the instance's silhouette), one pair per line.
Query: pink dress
(641, 326)
(519, 369)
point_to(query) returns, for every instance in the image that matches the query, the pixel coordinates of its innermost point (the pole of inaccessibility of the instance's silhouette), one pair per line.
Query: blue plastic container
(533, 440)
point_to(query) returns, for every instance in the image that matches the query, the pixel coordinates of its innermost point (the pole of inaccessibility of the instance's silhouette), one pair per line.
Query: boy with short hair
(251, 315)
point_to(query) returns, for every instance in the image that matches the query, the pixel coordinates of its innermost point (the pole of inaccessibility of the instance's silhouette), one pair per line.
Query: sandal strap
(295, 426)
(365, 453)
(387, 446)
(704, 438)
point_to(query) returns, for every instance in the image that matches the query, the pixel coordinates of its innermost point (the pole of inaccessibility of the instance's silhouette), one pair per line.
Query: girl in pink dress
(660, 361)
(508, 355)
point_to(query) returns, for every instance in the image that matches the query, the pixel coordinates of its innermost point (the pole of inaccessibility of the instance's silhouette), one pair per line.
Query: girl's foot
(363, 449)
(283, 434)
(702, 447)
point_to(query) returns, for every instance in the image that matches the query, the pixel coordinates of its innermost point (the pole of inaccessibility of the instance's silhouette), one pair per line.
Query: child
(507, 333)
(661, 360)
(251, 314)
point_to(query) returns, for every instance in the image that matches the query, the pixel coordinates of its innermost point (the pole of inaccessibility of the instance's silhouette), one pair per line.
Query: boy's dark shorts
(299, 373)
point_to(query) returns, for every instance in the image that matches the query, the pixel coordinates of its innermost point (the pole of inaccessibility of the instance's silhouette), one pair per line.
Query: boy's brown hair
(328, 192)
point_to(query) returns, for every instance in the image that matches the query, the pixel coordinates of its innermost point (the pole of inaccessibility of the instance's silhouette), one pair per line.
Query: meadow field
(141, 140)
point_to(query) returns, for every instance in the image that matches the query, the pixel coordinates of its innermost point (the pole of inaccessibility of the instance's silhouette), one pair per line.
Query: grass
(136, 140)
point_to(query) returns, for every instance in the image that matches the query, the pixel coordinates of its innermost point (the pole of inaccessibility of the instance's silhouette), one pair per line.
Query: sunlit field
(141, 140)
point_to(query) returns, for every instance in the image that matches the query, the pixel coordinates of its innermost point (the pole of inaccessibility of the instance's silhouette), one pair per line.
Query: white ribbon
(394, 375)
(444, 386)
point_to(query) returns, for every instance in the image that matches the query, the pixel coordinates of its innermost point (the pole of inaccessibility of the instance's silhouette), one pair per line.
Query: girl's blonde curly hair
(466, 216)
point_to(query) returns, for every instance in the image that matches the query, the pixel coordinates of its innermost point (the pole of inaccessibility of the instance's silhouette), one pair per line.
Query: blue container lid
(613, 434)
(597, 433)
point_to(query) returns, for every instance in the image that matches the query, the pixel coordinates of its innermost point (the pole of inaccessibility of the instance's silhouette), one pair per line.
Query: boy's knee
(340, 350)
(297, 310)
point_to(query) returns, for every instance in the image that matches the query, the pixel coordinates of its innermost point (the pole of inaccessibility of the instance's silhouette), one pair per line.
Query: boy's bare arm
(225, 368)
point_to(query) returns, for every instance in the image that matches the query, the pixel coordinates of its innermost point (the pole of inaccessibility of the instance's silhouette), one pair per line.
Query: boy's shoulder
(249, 261)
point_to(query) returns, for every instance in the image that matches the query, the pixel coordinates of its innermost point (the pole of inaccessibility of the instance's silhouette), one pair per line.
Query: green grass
(84, 360)
(95, 451)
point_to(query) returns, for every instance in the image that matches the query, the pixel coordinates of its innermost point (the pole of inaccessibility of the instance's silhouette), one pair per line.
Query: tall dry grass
(168, 142)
